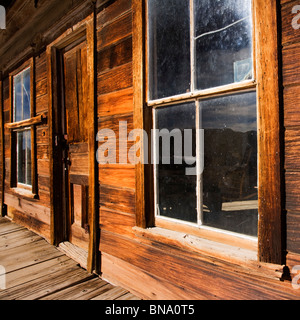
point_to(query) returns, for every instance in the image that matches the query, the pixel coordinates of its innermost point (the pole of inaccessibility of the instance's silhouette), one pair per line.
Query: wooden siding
(291, 83)
(115, 104)
(33, 213)
(165, 267)
(168, 267)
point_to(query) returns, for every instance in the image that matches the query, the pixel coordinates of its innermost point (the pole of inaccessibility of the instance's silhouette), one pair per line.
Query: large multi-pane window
(21, 112)
(201, 86)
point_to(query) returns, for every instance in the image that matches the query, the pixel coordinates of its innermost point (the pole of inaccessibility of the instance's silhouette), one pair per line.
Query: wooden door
(76, 150)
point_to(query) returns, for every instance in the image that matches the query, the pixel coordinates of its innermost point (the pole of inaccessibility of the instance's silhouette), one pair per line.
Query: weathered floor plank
(112, 294)
(35, 270)
(17, 238)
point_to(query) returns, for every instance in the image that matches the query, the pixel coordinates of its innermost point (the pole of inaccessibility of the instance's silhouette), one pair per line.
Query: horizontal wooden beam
(27, 123)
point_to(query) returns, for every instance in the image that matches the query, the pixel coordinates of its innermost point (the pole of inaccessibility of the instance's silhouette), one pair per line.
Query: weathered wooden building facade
(227, 229)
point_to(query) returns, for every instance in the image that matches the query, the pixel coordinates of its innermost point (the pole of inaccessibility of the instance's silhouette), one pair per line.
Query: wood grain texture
(269, 134)
(114, 103)
(291, 52)
(142, 120)
(293, 259)
(292, 191)
(112, 12)
(38, 271)
(291, 64)
(117, 79)
(293, 232)
(117, 175)
(117, 222)
(118, 199)
(27, 123)
(115, 55)
(291, 106)
(202, 275)
(2, 152)
(289, 34)
(292, 149)
(114, 31)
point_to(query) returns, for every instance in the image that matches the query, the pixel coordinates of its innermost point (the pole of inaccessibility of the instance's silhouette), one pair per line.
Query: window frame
(30, 191)
(266, 61)
(196, 96)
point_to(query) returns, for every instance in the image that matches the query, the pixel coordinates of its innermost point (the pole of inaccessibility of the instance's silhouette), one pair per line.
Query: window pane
(18, 98)
(223, 33)
(22, 96)
(21, 161)
(24, 156)
(26, 94)
(28, 157)
(169, 48)
(176, 188)
(230, 163)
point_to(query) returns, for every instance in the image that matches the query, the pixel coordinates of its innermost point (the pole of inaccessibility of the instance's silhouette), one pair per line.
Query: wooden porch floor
(35, 270)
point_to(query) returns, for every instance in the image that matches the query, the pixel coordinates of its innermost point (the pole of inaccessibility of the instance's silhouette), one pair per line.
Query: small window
(202, 91)
(21, 112)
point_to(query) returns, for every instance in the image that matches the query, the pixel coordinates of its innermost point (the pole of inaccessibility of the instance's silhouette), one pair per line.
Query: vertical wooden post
(142, 119)
(93, 168)
(57, 223)
(138, 101)
(33, 128)
(269, 133)
(2, 158)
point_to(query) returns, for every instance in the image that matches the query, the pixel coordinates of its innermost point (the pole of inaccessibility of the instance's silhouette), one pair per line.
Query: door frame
(57, 219)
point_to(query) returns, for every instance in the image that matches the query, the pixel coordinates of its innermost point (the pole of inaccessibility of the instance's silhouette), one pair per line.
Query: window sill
(238, 258)
(24, 194)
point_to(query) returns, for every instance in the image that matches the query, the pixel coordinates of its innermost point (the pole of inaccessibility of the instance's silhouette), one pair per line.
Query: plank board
(37, 270)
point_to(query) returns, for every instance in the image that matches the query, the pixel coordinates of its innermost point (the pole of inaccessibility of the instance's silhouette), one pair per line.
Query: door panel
(76, 139)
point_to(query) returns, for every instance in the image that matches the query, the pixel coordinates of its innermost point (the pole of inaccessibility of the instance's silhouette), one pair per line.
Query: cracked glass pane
(223, 41)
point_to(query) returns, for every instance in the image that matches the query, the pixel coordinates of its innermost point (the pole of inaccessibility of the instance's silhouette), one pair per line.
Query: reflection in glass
(230, 163)
(176, 191)
(169, 48)
(18, 98)
(223, 35)
(26, 94)
(24, 156)
(22, 96)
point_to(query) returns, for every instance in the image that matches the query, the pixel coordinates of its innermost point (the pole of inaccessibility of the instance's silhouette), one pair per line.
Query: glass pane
(223, 35)
(18, 99)
(26, 94)
(21, 160)
(176, 187)
(28, 157)
(169, 48)
(230, 163)
(24, 157)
